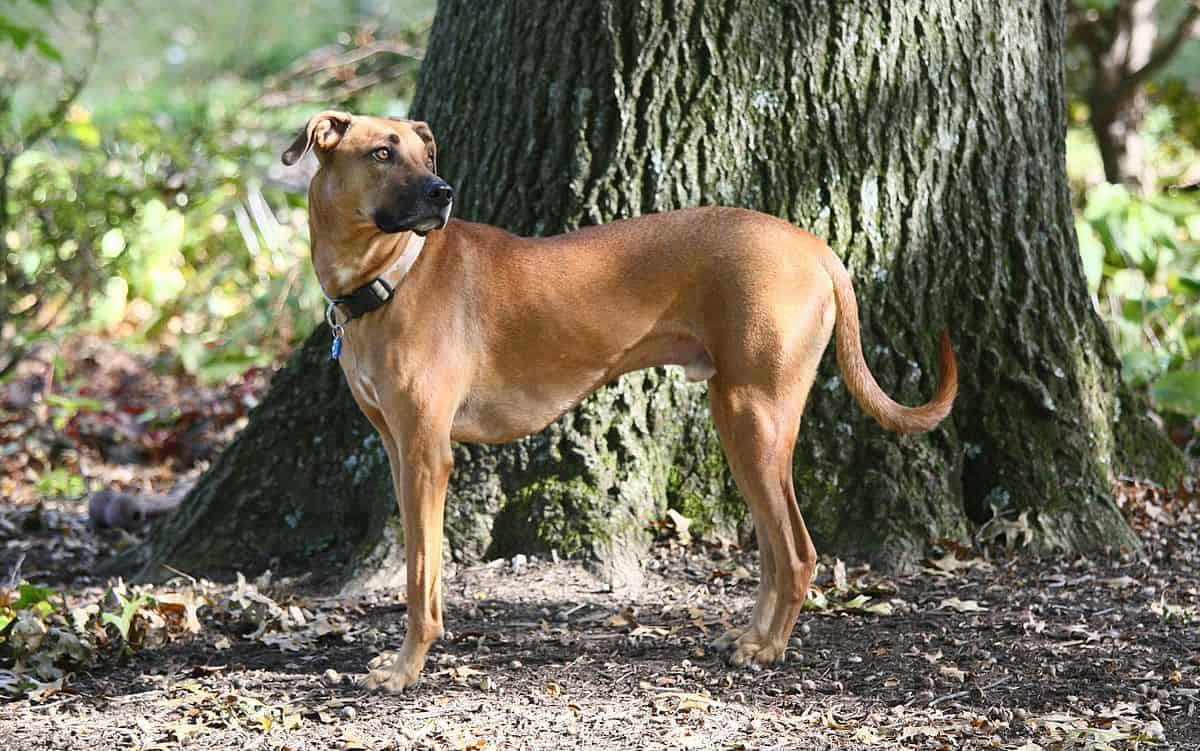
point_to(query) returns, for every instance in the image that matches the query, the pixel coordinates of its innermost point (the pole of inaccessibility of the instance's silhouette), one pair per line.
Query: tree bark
(924, 140)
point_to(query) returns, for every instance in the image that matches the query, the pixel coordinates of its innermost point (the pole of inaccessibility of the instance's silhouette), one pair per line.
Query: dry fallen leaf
(914, 731)
(681, 524)
(951, 563)
(694, 702)
(461, 673)
(1120, 582)
(181, 605)
(839, 576)
(953, 673)
(962, 606)
(623, 619)
(351, 742)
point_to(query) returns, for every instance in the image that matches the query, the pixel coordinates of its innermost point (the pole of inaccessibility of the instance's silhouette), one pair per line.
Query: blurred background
(143, 197)
(144, 213)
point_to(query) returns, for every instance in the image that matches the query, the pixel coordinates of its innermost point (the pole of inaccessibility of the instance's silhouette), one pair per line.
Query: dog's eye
(382, 154)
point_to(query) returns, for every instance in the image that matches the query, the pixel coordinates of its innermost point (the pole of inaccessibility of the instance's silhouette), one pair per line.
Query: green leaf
(85, 132)
(1139, 311)
(29, 595)
(1178, 392)
(1186, 283)
(48, 50)
(129, 610)
(18, 35)
(816, 600)
(1139, 367)
(1091, 250)
(75, 403)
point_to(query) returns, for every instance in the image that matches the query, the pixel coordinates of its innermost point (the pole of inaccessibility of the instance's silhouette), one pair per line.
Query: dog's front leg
(421, 471)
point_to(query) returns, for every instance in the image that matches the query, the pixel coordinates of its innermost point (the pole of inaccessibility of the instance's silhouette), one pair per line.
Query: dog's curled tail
(874, 401)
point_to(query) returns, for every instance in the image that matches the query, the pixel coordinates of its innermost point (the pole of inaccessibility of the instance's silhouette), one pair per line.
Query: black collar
(371, 296)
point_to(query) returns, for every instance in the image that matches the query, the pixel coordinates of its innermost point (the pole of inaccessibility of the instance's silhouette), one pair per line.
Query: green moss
(698, 484)
(550, 514)
(819, 496)
(1142, 450)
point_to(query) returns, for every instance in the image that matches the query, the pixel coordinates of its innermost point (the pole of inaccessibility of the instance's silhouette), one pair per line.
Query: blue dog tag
(338, 332)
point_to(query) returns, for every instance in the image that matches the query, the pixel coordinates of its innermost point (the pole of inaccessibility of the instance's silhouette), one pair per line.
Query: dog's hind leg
(758, 425)
(764, 605)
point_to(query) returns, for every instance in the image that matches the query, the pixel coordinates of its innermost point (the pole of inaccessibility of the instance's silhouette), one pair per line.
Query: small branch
(1189, 27)
(1086, 32)
(966, 692)
(14, 574)
(5, 164)
(51, 119)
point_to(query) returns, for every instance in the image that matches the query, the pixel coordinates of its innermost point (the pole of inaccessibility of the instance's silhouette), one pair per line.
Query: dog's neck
(347, 260)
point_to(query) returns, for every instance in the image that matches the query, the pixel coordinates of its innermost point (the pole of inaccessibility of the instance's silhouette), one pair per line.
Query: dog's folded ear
(323, 130)
(423, 130)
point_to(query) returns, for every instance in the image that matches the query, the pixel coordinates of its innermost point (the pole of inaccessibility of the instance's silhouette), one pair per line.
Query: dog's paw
(749, 652)
(725, 641)
(390, 673)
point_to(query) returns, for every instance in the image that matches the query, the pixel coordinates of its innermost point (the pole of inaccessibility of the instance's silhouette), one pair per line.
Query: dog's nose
(439, 193)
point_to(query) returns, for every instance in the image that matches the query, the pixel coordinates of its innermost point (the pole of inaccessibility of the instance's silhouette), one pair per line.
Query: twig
(136, 697)
(15, 575)
(73, 89)
(966, 692)
(177, 572)
(67, 699)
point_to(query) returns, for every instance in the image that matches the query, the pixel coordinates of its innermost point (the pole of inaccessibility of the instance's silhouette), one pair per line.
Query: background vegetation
(142, 195)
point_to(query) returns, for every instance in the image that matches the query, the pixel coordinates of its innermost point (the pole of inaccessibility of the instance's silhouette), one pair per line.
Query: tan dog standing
(488, 337)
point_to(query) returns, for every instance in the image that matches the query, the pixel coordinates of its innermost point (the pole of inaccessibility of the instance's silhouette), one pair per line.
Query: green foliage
(1142, 259)
(21, 35)
(29, 597)
(37, 640)
(41, 635)
(1172, 90)
(61, 483)
(152, 208)
(130, 606)
(158, 233)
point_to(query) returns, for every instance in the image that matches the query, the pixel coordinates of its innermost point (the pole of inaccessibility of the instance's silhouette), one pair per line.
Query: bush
(1141, 255)
(158, 233)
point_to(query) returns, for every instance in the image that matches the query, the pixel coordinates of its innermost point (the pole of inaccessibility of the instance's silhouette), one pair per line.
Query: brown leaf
(623, 619)
(962, 606)
(953, 673)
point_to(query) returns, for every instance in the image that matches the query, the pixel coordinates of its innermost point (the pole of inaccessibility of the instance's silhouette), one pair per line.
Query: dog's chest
(360, 380)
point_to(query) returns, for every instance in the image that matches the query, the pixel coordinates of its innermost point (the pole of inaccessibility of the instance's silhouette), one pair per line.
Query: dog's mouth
(421, 225)
(434, 222)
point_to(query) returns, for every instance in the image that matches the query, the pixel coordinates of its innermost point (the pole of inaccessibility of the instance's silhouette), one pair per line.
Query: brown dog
(491, 337)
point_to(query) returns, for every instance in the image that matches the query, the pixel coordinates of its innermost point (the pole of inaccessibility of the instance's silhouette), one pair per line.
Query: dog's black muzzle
(421, 210)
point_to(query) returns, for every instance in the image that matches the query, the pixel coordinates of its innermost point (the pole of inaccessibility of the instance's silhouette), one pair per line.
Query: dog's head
(383, 168)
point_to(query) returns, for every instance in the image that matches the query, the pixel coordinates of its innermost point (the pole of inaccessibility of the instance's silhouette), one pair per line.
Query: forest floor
(981, 648)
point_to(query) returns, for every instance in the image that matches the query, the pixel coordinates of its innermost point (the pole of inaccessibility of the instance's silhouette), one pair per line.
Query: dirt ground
(1001, 653)
(981, 648)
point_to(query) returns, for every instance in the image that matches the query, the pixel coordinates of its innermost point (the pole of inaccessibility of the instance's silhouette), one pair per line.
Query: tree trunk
(1118, 106)
(1128, 43)
(924, 140)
